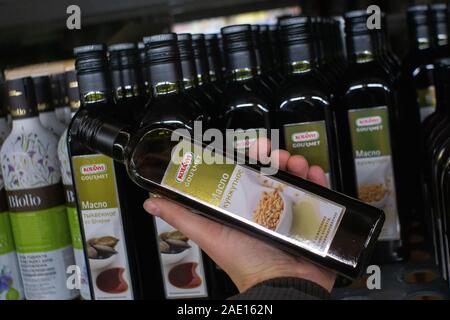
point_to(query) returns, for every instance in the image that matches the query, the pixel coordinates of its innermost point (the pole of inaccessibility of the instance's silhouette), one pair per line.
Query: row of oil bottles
(376, 126)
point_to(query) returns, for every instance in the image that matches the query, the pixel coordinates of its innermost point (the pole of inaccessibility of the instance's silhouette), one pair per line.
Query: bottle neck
(440, 35)
(201, 64)
(189, 74)
(166, 78)
(420, 37)
(362, 48)
(299, 58)
(101, 135)
(215, 66)
(241, 65)
(127, 83)
(95, 87)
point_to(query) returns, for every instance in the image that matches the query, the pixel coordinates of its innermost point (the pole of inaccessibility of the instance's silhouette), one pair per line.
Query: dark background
(33, 31)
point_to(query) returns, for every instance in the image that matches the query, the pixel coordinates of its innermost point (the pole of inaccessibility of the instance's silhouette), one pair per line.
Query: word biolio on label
(26, 200)
(214, 140)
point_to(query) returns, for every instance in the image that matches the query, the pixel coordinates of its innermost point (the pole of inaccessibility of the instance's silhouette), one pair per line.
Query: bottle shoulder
(176, 109)
(248, 92)
(29, 159)
(50, 122)
(418, 58)
(308, 89)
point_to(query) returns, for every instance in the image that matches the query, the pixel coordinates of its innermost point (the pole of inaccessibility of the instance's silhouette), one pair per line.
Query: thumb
(197, 228)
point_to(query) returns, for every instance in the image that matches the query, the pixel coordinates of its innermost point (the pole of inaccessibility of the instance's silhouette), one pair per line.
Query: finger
(298, 166)
(259, 149)
(317, 175)
(197, 228)
(279, 159)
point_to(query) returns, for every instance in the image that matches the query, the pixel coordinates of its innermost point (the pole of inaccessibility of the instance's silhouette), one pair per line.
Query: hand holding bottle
(247, 260)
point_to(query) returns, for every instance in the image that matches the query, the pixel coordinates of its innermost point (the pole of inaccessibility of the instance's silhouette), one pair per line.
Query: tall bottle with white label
(11, 282)
(121, 261)
(369, 135)
(36, 199)
(71, 207)
(46, 108)
(304, 114)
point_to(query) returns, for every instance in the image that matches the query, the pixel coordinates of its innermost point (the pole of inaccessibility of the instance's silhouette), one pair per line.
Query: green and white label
(309, 139)
(426, 98)
(41, 235)
(181, 264)
(259, 201)
(102, 222)
(370, 134)
(10, 280)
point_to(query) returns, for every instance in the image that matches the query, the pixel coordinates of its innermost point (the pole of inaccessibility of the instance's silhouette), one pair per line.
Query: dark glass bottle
(121, 262)
(328, 68)
(434, 162)
(199, 97)
(214, 59)
(275, 44)
(369, 136)
(171, 107)
(153, 161)
(127, 82)
(262, 66)
(247, 100)
(419, 103)
(144, 69)
(418, 65)
(304, 114)
(222, 54)
(393, 64)
(268, 54)
(169, 100)
(440, 28)
(202, 67)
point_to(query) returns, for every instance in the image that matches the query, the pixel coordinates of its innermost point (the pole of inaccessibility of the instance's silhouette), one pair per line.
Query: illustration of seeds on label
(269, 210)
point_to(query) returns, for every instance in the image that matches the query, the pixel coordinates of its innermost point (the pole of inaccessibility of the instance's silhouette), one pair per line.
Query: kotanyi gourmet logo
(369, 121)
(93, 168)
(184, 167)
(305, 136)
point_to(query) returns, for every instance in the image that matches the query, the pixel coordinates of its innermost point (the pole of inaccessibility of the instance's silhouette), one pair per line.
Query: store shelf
(417, 279)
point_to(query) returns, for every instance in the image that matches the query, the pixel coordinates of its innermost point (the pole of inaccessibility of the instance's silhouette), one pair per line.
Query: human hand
(247, 260)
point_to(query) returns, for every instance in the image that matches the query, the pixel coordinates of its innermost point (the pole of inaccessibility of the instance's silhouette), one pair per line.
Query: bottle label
(309, 139)
(426, 98)
(10, 281)
(181, 264)
(95, 180)
(260, 201)
(40, 228)
(72, 215)
(370, 134)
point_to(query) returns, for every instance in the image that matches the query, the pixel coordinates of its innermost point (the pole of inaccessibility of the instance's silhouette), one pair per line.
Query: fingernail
(151, 207)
